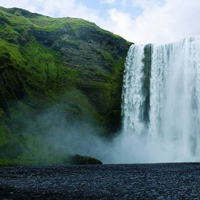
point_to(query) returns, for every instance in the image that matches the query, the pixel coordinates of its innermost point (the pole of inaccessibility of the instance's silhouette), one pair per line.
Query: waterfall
(172, 131)
(132, 93)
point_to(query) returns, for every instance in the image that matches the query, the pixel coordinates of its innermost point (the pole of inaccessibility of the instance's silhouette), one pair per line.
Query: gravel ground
(148, 181)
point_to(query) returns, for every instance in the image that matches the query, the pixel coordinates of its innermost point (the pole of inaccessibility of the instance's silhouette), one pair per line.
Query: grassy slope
(34, 77)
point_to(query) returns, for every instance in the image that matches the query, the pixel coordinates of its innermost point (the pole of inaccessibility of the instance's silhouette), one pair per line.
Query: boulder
(84, 160)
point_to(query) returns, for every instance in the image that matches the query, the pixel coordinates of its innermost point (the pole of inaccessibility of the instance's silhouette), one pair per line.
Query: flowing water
(172, 130)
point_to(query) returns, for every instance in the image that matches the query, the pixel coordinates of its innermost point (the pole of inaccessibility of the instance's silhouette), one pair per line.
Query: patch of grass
(12, 51)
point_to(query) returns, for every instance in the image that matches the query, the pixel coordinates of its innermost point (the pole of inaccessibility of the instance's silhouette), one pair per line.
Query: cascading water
(172, 130)
(132, 93)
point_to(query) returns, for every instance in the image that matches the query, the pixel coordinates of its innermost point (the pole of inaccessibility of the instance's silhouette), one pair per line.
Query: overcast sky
(139, 21)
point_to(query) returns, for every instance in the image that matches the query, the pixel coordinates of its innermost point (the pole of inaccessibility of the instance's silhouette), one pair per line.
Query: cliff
(56, 73)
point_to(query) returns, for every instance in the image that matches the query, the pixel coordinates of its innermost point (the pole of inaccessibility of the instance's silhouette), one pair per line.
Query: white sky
(139, 21)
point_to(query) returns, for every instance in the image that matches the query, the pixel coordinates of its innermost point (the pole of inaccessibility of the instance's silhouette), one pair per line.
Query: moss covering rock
(70, 66)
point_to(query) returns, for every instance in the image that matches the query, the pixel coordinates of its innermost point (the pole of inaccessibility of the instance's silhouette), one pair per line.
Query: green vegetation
(55, 74)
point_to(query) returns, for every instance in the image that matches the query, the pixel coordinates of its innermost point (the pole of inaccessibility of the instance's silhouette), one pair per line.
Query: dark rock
(84, 160)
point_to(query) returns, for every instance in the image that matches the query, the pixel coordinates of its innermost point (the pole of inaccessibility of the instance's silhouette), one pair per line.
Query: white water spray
(172, 133)
(132, 93)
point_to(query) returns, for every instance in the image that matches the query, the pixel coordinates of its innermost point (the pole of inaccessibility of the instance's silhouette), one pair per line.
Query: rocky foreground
(150, 181)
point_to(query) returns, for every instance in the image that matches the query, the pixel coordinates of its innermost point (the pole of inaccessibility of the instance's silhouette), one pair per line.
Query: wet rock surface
(150, 181)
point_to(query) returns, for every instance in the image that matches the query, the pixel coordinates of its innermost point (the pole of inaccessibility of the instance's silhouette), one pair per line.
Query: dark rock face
(146, 84)
(98, 58)
(70, 65)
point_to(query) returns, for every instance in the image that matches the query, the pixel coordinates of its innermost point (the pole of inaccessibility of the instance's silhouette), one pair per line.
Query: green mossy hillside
(55, 74)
